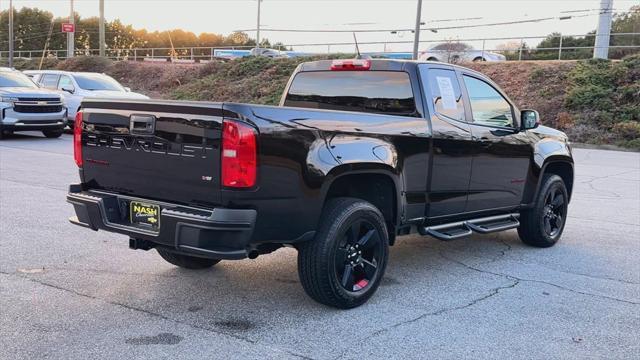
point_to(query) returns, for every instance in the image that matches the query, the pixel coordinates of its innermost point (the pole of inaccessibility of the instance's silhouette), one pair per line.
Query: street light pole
(101, 30)
(258, 27)
(70, 35)
(416, 38)
(601, 47)
(10, 33)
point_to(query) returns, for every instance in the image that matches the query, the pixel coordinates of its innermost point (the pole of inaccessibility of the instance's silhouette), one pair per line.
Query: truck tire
(185, 261)
(344, 264)
(52, 133)
(542, 225)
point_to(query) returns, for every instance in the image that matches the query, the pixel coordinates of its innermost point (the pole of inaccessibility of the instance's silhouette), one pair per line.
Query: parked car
(358, 153)
(75, 86)
(271, 53)
(458, 52)
(26, 107)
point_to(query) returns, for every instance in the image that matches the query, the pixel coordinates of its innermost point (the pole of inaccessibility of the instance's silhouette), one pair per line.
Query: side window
(49, 81)
(444, 91)
(65, 83)
(488, 107)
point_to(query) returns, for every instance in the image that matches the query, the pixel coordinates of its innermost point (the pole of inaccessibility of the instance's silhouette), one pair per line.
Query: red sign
(68, 28)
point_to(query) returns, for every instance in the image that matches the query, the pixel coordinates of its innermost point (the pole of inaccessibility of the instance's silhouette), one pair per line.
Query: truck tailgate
(162, 150)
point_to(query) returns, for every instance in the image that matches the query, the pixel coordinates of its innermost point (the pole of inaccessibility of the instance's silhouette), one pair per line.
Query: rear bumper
(217, 233)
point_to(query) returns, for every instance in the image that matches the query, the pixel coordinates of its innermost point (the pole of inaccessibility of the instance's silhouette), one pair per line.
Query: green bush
(605, 96)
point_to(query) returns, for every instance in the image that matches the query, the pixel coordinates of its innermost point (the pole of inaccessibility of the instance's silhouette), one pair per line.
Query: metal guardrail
(193, 54)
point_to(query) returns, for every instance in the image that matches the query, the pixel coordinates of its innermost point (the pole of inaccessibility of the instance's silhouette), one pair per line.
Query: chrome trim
(38, 103)
(19, 123)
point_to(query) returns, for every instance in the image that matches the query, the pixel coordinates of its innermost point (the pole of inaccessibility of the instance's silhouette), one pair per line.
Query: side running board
(461, 229)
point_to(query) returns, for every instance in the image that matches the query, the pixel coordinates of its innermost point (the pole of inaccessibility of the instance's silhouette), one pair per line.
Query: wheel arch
(558, 165)
(377, 184)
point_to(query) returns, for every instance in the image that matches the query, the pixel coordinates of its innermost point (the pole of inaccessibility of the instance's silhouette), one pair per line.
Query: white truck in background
(26, 107)
(75, 86)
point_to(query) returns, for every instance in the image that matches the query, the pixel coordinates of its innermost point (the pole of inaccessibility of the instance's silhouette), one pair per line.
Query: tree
(628, 22)
(31, 28)
(548, 48)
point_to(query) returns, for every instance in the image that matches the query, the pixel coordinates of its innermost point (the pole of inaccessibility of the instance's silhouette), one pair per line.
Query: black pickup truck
(358, 153)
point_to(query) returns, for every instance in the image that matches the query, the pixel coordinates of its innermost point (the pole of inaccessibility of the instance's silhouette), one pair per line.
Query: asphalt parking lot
(70, 293)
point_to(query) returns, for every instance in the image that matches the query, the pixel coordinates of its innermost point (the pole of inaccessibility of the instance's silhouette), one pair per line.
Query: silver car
(458, 52)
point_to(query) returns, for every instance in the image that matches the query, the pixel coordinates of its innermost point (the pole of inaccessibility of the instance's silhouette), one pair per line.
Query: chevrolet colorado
(26, 107)
(358, 153)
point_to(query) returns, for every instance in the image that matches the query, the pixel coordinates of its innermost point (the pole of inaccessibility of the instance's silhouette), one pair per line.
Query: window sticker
(447, 94)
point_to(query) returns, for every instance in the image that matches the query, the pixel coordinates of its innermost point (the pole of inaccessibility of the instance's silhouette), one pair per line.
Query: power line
(422, 29)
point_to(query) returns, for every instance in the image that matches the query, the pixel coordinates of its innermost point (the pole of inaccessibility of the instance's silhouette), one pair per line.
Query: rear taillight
(77, 139)
(239, 155)
(350, 65)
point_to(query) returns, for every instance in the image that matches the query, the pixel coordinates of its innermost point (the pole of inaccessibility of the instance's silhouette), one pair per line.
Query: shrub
(32, 64)
(628, 130)
(86, 63)
(564, 120)
(589, 134)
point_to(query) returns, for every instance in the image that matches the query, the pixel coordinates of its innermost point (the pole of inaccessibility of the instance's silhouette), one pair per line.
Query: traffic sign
(68, 27)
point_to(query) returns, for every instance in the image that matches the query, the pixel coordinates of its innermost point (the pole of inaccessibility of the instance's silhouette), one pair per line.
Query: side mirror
(69, 90)
(530, 119)
(127, 89)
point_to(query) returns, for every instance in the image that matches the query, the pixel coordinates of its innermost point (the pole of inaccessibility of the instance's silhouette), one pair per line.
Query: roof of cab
(380, 65)
(324, 65)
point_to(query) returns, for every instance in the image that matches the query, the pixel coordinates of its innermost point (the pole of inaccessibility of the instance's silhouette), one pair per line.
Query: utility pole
(70, 35)
(10, 33)
(258, 27)
(416, 38)
(603, 33)
(101, 30)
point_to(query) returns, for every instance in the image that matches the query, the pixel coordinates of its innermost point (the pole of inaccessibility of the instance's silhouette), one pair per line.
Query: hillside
(595, 101)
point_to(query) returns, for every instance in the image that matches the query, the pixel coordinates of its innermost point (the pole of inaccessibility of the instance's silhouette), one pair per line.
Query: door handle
(142, 124)
(483, 141)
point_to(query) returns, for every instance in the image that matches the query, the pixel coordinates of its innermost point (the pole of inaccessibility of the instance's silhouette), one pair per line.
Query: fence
(518, 49)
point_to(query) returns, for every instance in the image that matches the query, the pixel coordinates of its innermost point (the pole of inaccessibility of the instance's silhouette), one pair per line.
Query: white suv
(26, 107)
(75, 86)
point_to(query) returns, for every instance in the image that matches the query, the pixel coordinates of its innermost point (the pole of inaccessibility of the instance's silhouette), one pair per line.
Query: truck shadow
(250, 295)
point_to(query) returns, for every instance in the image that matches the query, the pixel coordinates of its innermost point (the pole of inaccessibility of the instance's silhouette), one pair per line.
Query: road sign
(68, 27)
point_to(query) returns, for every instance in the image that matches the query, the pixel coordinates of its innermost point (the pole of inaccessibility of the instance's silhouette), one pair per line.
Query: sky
(225, 16)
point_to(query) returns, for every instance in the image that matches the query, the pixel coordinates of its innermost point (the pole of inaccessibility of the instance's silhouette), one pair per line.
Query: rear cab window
(381, 92)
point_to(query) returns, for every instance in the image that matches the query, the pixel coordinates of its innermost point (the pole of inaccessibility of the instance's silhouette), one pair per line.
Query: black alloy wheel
(345, 262)
(554, 212)
(543, 224)
(358, 256)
